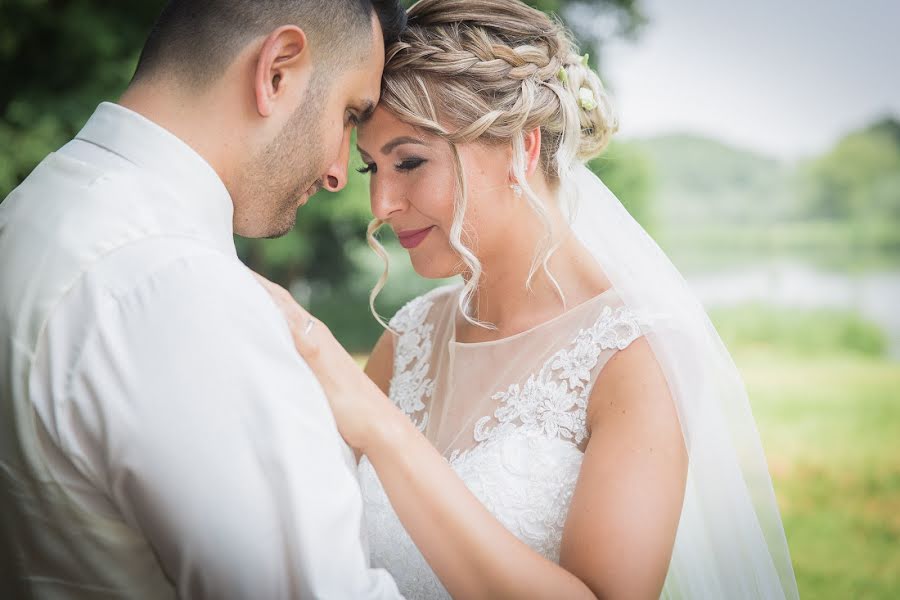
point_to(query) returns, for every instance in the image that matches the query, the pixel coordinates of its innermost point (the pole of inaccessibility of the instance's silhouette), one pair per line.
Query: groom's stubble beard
(289, 165)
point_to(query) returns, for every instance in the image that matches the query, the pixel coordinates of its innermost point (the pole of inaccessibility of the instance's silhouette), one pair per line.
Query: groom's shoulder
(155, 271)
(72, 225)
(415, 312)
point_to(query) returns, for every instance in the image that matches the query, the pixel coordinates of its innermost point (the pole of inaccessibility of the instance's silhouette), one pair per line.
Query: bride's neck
(503, 300)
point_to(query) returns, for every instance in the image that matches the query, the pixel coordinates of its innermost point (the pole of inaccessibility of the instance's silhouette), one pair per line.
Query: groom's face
(311, 152)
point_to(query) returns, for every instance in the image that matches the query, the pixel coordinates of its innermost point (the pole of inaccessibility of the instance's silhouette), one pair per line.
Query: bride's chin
(429, 268)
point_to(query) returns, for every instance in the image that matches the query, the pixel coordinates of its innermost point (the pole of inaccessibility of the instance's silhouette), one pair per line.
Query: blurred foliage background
(798, 262)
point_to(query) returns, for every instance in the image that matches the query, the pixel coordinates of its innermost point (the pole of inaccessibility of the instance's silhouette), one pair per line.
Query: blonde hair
(489, 71)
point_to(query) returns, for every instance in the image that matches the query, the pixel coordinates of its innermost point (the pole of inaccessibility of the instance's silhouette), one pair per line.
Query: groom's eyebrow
(403, 139)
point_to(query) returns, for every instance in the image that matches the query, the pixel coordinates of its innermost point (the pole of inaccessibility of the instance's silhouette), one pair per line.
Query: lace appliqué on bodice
(526, 459)
(410, 385)
(554, 401)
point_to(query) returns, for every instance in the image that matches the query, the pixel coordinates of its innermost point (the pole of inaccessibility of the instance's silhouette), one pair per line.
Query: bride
(565, 422)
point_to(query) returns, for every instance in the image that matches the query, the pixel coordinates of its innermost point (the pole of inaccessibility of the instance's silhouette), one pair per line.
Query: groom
(159, 436)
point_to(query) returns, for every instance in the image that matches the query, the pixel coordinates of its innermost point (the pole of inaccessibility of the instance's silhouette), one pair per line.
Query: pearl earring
(517, 189)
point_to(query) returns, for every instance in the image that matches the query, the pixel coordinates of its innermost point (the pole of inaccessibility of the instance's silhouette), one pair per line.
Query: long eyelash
(406, 165)
(411, 164)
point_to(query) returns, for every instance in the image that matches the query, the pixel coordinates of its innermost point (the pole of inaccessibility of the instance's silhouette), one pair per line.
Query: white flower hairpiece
(586, 99)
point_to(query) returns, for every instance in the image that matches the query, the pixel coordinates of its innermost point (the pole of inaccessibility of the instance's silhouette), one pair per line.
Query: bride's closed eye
(406, 165)
(410, 164)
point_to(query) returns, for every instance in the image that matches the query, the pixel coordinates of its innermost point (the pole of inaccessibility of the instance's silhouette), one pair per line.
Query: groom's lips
(413, 237)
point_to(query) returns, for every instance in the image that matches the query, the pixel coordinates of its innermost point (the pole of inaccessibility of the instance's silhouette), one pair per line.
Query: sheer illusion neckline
(516, 336)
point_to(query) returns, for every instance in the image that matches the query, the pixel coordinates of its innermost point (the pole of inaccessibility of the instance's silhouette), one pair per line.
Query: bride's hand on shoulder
(357, 403)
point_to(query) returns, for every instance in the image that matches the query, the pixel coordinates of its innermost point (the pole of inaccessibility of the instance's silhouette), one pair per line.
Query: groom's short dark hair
(197, 39)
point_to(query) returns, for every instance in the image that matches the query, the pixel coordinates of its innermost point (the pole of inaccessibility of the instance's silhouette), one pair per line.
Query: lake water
(874, 295)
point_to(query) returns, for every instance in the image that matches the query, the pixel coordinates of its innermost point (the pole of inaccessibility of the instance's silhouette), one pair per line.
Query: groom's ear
(283, 68)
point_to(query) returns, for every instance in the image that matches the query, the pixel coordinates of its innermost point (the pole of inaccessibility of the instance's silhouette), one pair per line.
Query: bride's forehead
(383, 124)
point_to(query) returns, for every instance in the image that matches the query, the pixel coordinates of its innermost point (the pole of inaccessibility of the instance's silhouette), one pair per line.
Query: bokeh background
(760, 145)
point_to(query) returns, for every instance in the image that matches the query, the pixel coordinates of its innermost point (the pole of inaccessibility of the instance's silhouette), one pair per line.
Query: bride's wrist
(387, 426)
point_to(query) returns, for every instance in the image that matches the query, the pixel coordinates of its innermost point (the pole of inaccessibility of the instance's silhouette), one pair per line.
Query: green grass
(799, 332)
(831, 429)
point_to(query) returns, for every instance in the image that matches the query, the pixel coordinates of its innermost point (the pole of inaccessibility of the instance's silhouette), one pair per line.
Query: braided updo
(489, 71)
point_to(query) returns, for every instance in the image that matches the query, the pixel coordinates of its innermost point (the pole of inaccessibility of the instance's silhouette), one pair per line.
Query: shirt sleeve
(191, 409)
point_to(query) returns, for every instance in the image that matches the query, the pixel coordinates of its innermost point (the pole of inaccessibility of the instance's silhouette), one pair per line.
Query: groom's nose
(335, 177)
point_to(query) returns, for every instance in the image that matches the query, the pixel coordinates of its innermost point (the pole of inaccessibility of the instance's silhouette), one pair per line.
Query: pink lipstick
(413, 237)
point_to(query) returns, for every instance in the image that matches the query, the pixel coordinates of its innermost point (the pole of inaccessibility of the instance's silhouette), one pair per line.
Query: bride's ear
(283, 69)
(532, 150)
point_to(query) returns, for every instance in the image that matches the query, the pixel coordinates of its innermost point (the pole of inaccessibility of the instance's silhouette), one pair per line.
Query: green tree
(58, 59)
(627, 171)
(859, 179)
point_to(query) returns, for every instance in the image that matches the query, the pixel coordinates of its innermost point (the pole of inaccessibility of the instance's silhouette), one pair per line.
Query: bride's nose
(386, 199)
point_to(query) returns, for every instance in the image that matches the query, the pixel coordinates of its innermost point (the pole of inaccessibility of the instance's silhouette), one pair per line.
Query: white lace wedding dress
(508, 415)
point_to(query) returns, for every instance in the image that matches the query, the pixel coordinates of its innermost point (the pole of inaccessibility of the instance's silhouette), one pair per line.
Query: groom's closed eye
(361, 113)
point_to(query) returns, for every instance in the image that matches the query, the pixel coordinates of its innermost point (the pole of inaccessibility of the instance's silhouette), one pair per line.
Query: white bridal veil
(730, 541)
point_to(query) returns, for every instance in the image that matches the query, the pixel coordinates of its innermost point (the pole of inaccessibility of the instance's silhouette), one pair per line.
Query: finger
(268, 285)
(283, 298)
(307, 332)
(309, 335)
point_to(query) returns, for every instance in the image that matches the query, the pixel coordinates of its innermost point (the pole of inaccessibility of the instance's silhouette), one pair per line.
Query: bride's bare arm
(470, 551)
(621, 525)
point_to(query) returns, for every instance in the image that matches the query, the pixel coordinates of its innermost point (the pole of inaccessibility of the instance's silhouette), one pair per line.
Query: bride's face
(412, 188)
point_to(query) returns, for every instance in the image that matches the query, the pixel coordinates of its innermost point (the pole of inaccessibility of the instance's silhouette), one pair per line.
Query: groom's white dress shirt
(159, 435)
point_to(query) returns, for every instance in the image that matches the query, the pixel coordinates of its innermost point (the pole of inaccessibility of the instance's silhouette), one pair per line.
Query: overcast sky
(785, 78)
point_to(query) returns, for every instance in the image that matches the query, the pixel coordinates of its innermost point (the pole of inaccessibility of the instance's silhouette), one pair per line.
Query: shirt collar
(169, 160)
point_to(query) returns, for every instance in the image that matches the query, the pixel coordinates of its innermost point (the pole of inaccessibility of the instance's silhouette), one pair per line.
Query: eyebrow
(398, 141)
